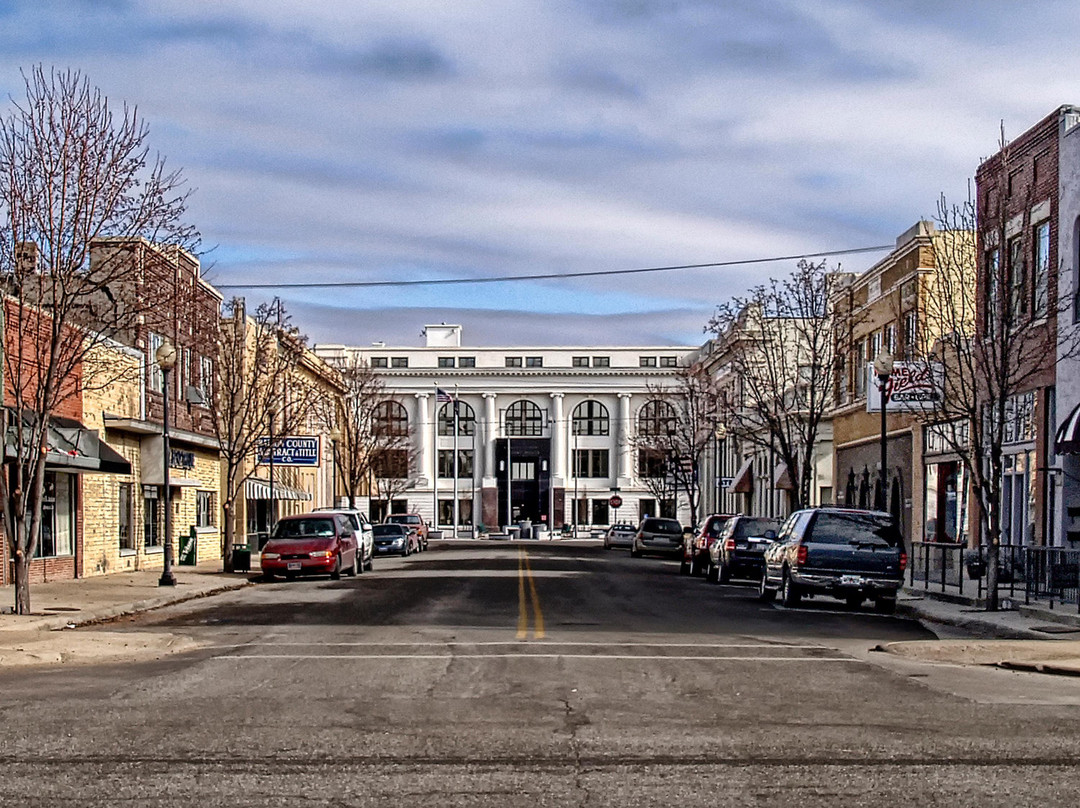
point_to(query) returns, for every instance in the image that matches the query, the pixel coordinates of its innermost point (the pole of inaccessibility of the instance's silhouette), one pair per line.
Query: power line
(546, 275)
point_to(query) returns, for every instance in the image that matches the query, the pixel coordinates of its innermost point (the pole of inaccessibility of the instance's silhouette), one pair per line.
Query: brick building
(1017, 197)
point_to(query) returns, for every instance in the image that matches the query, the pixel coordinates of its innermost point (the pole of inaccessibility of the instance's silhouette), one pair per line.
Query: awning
(743, 482)
(782, 478)
(256, 488)
(75, 449)
(1067, 440)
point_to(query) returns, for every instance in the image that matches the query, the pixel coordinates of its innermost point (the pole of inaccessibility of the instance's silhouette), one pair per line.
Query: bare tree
(996, 349)
(73, 169)
(776, 354)
(674, 428)
(371, 440)
(259, 391)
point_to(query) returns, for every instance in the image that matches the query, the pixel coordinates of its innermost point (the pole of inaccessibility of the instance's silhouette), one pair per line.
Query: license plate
(293, 565)
(851, 580)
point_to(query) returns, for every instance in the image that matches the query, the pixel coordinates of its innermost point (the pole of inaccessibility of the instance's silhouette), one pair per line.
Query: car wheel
(723, 573)
(336, 574)
(765, 594)
(712, 573)
(634, 551)
(370, 561)
(853, 601)
(684, 567)
(791, 596)
(885, 605)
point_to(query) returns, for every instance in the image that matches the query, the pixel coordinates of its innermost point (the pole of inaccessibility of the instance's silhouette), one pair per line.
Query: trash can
(513, 532)
(241, 558)
(526, 528)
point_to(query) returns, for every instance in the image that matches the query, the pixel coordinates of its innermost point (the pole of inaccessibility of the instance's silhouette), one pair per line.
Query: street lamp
(883, 367)
(166, 359)
(335, 436)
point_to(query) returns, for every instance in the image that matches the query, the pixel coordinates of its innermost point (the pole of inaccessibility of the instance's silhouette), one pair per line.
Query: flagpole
(456, 516)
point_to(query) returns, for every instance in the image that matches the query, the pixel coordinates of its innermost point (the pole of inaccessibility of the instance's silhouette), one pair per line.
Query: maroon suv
(311, 544)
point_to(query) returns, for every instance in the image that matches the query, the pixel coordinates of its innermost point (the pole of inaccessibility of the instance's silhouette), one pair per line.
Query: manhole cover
(1056, 629)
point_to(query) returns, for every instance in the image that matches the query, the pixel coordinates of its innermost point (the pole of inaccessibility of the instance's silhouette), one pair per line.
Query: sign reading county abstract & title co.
(290, 450)
(913, 387)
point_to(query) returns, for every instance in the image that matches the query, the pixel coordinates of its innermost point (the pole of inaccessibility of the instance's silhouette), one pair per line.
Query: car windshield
(405, 520)
(716, 526)
(390, 531)
(755, 527)
(854, 527)
(303, 528)
(662, 526)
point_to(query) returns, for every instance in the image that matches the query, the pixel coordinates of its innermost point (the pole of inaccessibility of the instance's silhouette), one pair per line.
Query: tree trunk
(229, 535)
(22, 581)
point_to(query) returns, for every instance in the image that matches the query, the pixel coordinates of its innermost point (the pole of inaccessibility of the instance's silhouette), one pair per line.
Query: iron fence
(1036, 574)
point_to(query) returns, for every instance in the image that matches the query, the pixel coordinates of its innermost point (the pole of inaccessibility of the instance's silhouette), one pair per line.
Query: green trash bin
(241, 558)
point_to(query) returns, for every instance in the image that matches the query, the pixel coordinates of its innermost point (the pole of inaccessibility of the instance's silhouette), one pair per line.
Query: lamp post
(270, 508)
(166, 359)
(335, 436)
(883, 368)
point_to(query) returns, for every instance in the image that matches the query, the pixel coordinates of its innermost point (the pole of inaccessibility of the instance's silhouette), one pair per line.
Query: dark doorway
(523, 466)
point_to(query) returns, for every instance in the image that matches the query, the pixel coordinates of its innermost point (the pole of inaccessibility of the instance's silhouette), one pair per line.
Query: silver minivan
(656, 535)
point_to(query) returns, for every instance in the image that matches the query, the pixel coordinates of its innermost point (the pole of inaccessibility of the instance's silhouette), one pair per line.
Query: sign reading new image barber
(912, 387)
(290, 450)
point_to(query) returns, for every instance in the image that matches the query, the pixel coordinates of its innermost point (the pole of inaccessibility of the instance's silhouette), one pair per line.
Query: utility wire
(547, 275)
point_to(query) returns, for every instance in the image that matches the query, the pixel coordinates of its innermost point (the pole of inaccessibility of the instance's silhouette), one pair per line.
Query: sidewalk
(1034, 638)
(42, 637)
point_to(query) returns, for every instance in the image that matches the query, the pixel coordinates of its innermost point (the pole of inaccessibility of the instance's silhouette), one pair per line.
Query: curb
(977, 626)
(107, 614)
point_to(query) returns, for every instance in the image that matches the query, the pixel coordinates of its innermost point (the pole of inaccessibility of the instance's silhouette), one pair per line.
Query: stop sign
(615, 501)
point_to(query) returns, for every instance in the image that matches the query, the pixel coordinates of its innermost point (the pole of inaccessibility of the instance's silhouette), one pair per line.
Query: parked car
(395, 538)
(695, 558)
(739, 551)
(619, 536)
(414, 521)
(847, 554)
(365, 537)
(311, 544)
(656, 535)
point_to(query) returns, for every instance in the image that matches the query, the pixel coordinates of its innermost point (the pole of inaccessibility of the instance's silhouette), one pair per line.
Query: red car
(695, 558)
(311, 544)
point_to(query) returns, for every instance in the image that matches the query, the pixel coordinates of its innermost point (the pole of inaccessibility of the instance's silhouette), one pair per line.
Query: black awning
(73, 447)
(1067, 439)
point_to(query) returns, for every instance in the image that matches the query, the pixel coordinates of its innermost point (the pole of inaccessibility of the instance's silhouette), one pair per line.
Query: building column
(624, 446)
(490, 433)
(559, 432)
(424, 440)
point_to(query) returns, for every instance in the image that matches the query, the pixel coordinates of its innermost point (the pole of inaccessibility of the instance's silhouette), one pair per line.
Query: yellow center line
(523, 611)
(538, 615)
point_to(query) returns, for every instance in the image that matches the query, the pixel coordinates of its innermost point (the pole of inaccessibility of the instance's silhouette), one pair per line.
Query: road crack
(572, 721)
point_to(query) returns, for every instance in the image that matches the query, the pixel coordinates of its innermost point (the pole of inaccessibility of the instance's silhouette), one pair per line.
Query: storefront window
(946, 517)
(57, 517)
(151, 518)
(125, 524)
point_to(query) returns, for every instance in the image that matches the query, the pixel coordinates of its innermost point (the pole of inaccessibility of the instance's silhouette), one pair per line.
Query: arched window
(391, 419)
(656, 419)
(591, 418)
(466, 419)
(523, 419)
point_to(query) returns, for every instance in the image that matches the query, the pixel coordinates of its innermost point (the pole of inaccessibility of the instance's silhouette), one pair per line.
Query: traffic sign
(615, 501)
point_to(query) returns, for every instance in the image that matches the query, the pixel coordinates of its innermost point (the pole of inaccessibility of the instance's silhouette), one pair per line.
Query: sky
(392, 140)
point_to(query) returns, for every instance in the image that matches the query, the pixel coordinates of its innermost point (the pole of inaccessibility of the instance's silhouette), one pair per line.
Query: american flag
(442, 395)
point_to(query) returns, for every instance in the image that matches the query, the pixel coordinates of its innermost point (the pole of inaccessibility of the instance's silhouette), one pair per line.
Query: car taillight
(903, 561)
(729, 545)
(800, 555)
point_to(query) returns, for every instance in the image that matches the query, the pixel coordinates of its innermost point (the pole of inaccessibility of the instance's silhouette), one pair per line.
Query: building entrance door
(524, 478)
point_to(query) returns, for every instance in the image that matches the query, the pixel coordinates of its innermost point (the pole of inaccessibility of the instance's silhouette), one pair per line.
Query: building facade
(545, 436)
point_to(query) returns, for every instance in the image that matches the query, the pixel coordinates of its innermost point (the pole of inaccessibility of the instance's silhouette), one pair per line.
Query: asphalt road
(554, 674)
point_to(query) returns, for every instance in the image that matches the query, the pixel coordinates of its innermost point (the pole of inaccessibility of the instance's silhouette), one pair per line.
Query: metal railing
(1037, 574)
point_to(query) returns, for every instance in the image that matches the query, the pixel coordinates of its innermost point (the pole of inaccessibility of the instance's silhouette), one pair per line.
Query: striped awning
(1067, 440)
(257, 488)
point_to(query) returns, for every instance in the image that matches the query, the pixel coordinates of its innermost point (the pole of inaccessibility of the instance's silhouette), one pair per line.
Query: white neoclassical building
(545, 435)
